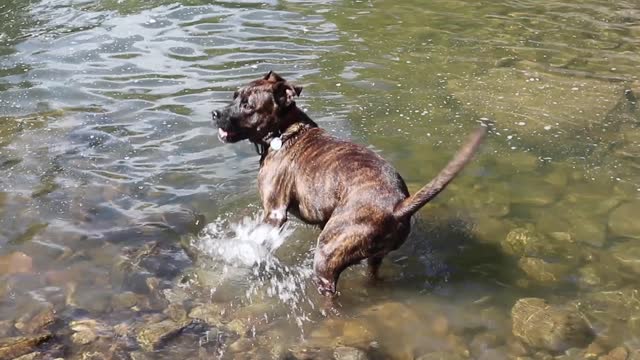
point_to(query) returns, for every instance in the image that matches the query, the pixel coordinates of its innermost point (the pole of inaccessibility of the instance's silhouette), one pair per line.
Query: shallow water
(119, 205)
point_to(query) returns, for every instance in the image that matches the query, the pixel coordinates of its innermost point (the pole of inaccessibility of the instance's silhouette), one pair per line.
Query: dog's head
(257, 109)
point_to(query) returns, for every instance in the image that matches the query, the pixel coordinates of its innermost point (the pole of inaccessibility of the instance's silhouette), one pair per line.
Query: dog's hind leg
(334, 254)
(374, 263)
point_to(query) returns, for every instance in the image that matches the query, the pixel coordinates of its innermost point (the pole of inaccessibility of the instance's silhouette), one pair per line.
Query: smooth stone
(176, 312)
(92, 300)
(31, 356)
(124, 301)
(623, 220)
(593, 350)
(14, 347)
(589, 277)
(551, 220)
(241, 345)
(28, 324)
(348, 332)
(86, 331)
(6, 328)
(441, 355)
(494, 354)
(483, 342)
(209, 313)
(308, 353)
(440, 325)
(619, 353)
(490, 230)
(550, 327)
(588, 230)
(533, 192)
(152, 336)
(558, 176)
(349, 353)
(628, 255)
(542, 271)
(572, 354)
(139, 355)
(618, 304)
(516, 348)
(15, 263)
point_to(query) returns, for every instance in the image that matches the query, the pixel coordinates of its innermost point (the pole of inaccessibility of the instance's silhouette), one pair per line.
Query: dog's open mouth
(223, 135)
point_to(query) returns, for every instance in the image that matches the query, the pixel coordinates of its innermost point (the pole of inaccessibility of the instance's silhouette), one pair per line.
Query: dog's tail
(410, 205)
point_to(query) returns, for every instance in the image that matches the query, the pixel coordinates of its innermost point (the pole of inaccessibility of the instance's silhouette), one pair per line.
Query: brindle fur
(358, 199)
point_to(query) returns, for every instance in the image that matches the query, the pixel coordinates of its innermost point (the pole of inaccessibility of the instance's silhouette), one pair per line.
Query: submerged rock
(31, 324)
(308, 353)
(588, 230)
(526, 242)
(606, 305)
(17, 346)
(16, 262)
(589, 277)
(86, 331)
(623, 220)
(441, 355)
(6, 328)
(628, 255)
(619, 353)
(542, 271)
(491, 230)
(209, 313)
(532, 99)
(152, 336)
(32, 356)
(549, 327)
(349, 353)
(531, 191)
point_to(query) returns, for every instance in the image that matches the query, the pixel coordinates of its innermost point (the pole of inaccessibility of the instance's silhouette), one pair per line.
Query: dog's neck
(293, 123)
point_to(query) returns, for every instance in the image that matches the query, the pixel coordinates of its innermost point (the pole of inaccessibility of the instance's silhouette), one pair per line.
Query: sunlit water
(119, 205)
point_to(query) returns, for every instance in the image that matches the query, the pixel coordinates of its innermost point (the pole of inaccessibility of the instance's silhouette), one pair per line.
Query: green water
(111, 169)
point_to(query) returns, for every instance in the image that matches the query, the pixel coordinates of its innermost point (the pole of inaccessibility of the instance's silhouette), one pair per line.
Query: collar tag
(275, 144)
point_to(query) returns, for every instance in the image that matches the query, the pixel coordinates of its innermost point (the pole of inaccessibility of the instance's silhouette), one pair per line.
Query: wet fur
(358, 199)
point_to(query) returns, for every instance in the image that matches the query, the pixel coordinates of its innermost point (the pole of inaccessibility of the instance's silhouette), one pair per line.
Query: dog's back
(326, 174)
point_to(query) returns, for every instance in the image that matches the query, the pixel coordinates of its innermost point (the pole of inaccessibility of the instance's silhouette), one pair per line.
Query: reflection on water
(121, 215)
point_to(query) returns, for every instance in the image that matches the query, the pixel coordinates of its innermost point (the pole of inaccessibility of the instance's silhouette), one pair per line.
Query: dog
(357, 198)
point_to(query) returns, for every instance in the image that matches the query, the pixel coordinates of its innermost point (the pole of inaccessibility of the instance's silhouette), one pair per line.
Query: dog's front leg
(275, 216)
(275, 208)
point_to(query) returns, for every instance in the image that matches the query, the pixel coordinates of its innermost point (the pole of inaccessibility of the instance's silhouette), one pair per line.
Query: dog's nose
(217, 114)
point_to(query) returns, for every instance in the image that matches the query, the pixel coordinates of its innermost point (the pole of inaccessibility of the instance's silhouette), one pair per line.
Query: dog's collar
(276, 141)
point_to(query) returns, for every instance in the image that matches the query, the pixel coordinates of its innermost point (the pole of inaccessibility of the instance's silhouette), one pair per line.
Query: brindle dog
(358, 199)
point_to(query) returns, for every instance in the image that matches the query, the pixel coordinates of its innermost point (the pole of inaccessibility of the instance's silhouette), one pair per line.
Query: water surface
(118, 204)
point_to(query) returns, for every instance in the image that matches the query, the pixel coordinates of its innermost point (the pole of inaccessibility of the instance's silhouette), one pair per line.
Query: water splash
(247, 248)
(247, 243)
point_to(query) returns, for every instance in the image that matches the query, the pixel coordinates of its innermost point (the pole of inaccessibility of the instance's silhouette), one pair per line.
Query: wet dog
(358, 199)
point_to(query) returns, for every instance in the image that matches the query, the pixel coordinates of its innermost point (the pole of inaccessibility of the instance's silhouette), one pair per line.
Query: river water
(126, 220)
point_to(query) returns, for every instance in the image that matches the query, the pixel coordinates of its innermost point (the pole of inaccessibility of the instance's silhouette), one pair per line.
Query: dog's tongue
(223, 134)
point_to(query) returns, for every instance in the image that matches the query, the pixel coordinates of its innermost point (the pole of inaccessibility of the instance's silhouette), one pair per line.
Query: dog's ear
(273, 77)
(286, 93)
